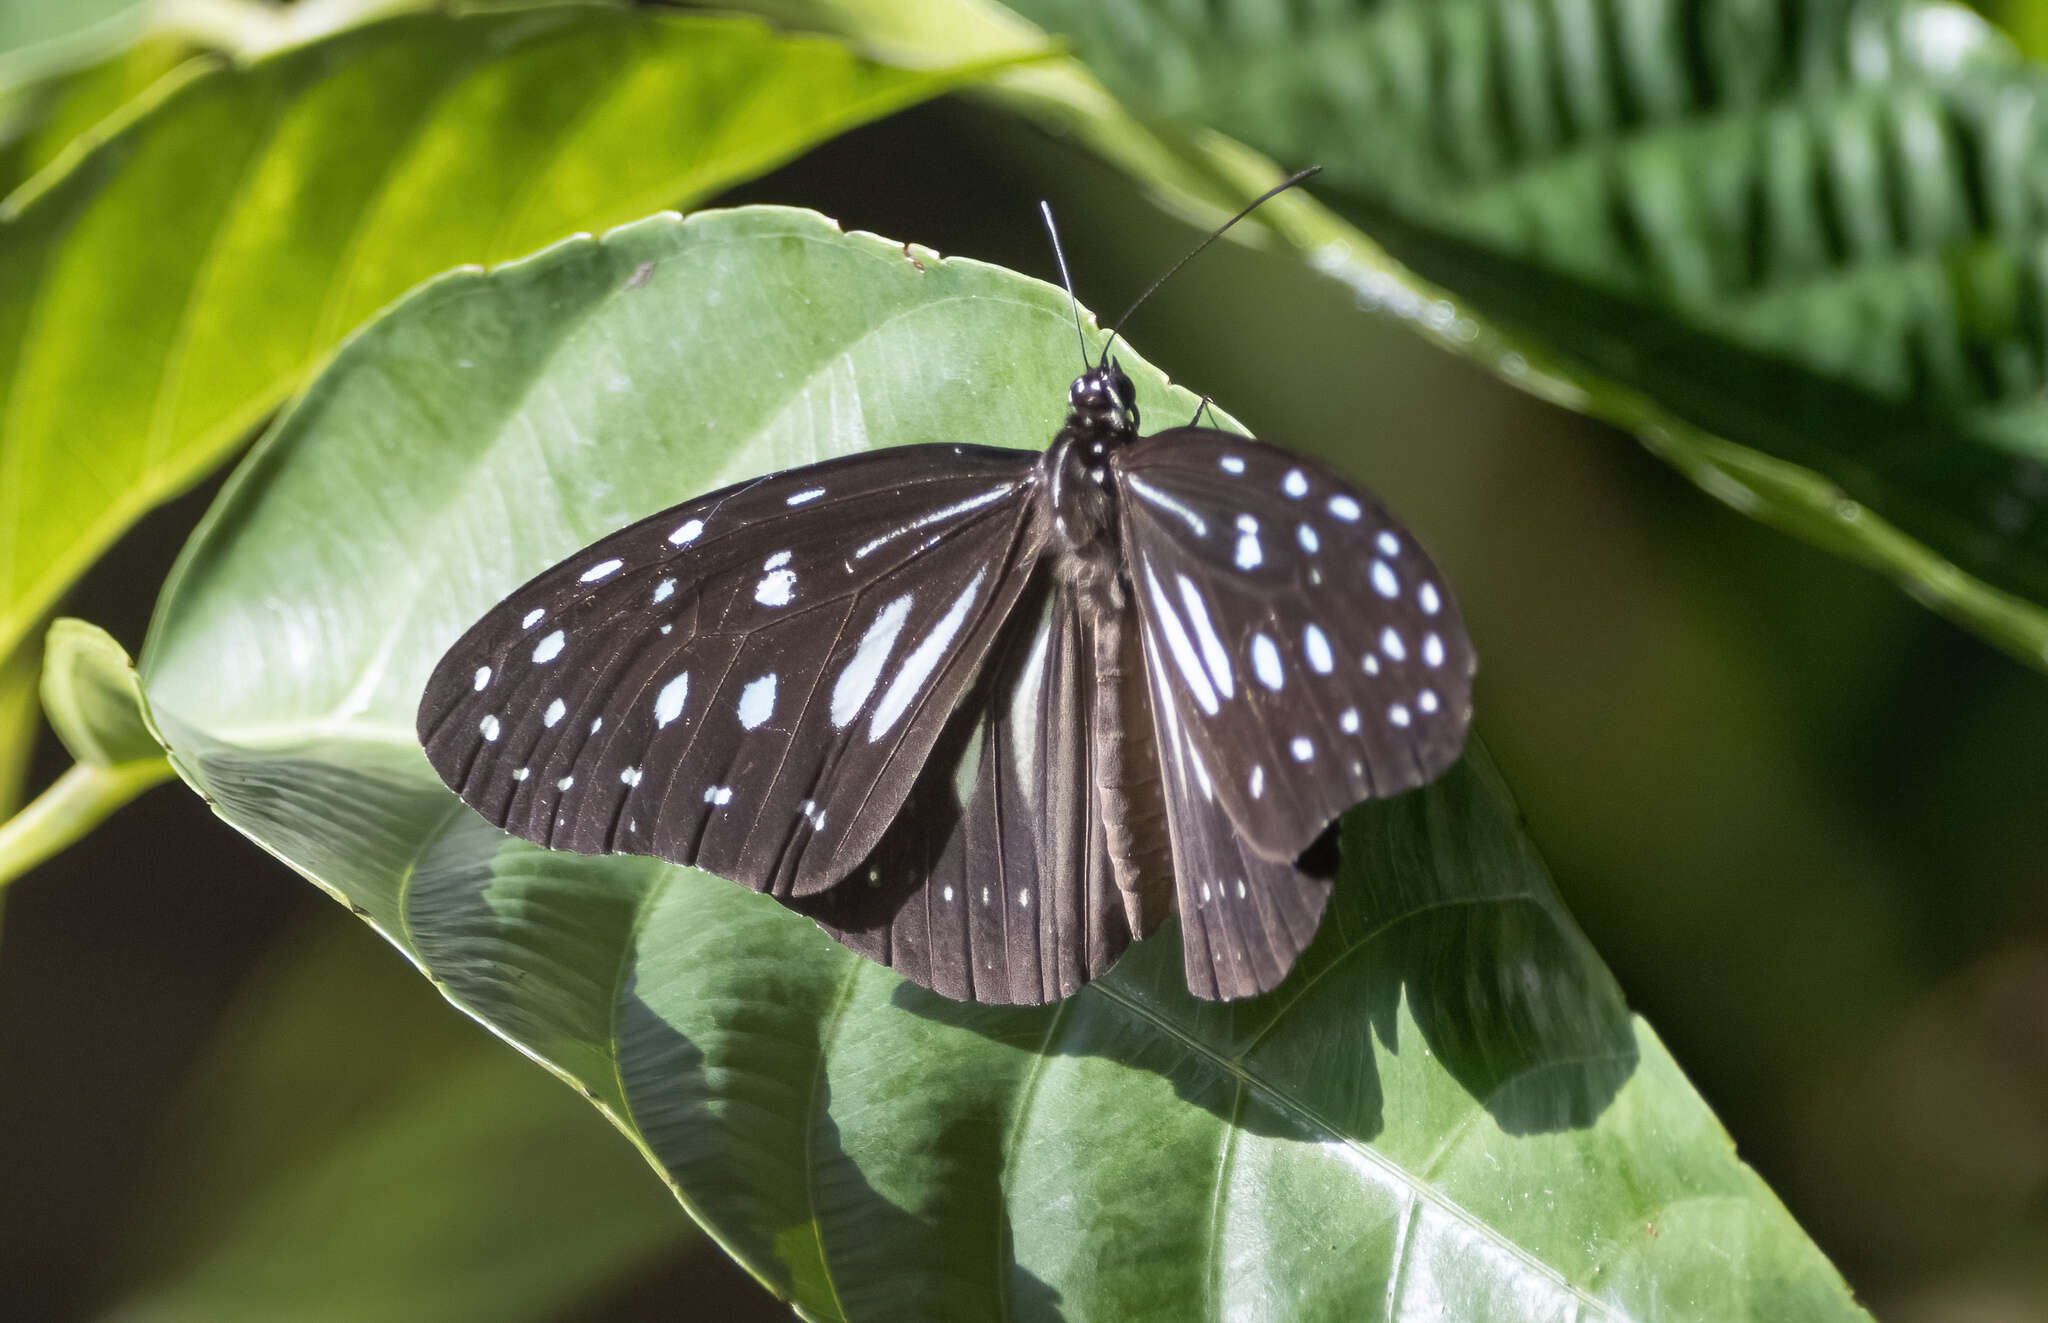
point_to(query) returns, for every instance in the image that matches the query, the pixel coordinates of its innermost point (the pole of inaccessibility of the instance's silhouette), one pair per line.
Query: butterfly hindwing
(995, 884)
(1308, 648)
(751, 681)
(1243, 917)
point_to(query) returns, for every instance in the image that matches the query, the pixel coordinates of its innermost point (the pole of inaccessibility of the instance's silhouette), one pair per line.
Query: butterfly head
(1102, 409)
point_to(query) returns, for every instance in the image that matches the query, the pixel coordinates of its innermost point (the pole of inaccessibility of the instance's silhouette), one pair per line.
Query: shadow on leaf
(1444, 918)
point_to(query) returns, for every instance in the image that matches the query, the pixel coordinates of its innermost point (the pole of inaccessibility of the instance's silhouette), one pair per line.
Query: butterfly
(987, 716)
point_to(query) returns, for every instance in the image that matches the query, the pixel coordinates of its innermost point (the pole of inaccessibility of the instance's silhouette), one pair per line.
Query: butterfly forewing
(995, 884)
(751, 681)
(1310, 652)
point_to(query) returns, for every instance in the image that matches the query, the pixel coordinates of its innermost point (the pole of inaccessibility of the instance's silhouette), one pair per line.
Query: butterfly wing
(1243, 917)
(995, 883)
(751, 681)
(1308, 645)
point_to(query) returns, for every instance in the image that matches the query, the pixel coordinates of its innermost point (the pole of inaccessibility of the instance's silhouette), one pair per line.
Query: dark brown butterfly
(986, 715)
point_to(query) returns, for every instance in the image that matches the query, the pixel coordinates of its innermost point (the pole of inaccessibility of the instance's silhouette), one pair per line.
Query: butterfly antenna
(1045, 210)
(1214, 235)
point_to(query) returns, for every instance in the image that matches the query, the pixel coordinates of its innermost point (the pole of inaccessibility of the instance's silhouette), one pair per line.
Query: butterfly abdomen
(1127, 775)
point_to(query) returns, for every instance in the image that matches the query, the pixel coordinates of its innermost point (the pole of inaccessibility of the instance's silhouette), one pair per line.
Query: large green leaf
(67, 70)
(1446, 1111)
(183, 275)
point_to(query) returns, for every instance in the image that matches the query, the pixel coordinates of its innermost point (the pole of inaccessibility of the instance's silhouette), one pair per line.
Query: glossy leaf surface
(184, 274)
(1446, 1111)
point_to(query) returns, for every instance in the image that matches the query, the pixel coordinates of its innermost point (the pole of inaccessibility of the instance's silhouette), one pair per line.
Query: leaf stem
(75, 803)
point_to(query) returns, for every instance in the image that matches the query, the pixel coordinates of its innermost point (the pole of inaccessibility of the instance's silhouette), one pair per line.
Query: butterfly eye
(1126, 393)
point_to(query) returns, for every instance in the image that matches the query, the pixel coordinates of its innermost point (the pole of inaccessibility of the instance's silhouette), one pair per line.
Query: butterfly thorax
(1102, 417)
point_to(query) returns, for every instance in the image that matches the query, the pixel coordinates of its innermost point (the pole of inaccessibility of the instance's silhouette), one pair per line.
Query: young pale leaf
(1446, 1108)
(183, 275)
(91, 698)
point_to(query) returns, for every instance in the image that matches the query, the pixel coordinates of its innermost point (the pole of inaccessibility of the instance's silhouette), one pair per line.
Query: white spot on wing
(923, 660)
(1369, 664)
(664, 590)
(1301, 748)
(1383, 581)
(1248, 553)
(533, 617)
(630, 776)
(521, 773)
(1308, 539)
(1426, 700)
(1214, 654)
(947, 895)
(596, 724)
(549, 648)
(757, 701)
(668, 704)
(1398, 714)
(1266, 662)
(555, 712)
(1153, 495)
(776, 587)
(809, 494)
(718, 794)
(1389, 545)
(604, 569)
(1258, 781)
(1432, 650)
(565, 783)
(1392, 645)
(1317, 645)
(1180, 647)
(687, 532)
(850, 692)
(957, 508)
(488, 727)
(483, 677)
(1294, 484)
(1426, 595)
(1349, 721)
(1230, 464)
